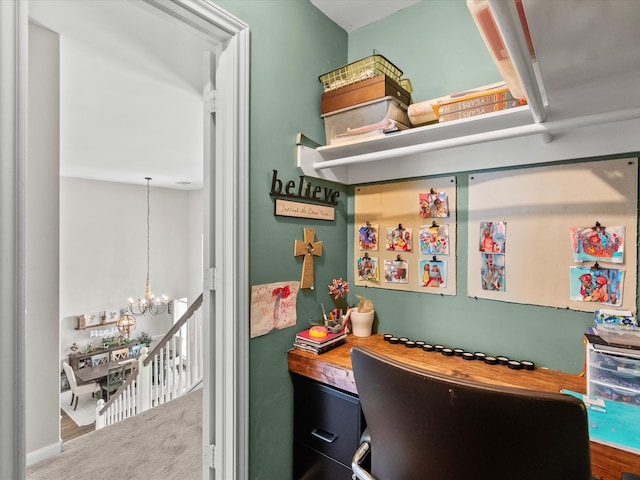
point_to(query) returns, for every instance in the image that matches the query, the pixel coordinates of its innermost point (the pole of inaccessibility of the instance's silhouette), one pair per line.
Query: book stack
(318, 345)
(477, 103)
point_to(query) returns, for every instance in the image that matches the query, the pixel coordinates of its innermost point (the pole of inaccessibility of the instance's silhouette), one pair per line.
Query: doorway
(227, 140)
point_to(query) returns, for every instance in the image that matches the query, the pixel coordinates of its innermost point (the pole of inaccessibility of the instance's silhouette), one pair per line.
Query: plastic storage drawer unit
(613, 373)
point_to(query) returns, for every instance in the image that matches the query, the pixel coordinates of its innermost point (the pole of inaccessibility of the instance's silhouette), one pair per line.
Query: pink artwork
(273, 305)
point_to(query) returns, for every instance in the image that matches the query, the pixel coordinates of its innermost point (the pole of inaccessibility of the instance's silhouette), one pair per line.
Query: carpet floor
(163, 442)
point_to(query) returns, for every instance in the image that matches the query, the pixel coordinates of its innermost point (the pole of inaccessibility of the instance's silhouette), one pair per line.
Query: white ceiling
(130, 100)
(354, 14)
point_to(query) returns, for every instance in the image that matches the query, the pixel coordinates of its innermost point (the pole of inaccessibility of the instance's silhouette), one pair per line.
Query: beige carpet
(162, 443)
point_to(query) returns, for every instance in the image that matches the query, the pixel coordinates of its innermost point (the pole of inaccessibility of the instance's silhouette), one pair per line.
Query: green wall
(292, 43)
(435, 43)
(439, 48)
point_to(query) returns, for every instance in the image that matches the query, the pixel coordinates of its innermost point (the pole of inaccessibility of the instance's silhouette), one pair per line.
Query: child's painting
(368, 268)
(492, 237)
(273, 305)
(492, 272)
(433, 273)
(399, 239)
(617, 318)
(597, 243)
(396, 271)
(433, 204)
(600, 285)
(368, 237)
(434, 239)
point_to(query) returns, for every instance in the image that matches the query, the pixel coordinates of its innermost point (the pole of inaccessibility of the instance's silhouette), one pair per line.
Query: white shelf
(587, 73)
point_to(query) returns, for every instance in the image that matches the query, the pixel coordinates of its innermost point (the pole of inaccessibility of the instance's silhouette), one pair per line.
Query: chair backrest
(99, 359)
(71, 376)
(115, 376)
(426, 425)
(135, 349)
(121, 354)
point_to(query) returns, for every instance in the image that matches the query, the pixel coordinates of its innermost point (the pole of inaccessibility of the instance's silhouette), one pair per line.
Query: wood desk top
(334, 368)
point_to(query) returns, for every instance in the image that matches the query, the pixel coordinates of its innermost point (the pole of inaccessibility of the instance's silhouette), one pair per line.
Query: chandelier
(148, 303)
(126, 324)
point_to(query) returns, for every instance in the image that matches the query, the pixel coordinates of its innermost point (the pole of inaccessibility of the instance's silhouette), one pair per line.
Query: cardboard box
(364, 91)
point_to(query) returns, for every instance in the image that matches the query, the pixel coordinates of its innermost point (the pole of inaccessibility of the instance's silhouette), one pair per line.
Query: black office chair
(426, 425)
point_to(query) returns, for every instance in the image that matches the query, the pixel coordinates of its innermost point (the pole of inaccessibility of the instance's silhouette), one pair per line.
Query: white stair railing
(170, 370)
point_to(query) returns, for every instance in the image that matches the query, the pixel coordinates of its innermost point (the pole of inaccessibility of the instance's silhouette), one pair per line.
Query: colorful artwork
(273, 305)
(434, 239)
(433, 204)
(617, 318)
(492, 237)
(368, 268)
(493, 272)
(433, 273)
(396, 271)
(600, 285)
(399, 239)
(368, 237)
(597, 243)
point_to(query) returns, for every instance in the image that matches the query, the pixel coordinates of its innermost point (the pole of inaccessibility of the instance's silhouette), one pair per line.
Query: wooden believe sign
(302, 190)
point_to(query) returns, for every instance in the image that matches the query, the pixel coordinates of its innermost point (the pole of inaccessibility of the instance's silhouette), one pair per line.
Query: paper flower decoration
(339, 288)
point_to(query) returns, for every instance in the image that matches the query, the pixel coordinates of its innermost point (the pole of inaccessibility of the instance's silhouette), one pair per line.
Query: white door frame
(226, 216)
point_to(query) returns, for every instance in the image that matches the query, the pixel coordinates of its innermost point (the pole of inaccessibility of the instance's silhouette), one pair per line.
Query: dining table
(100, 372)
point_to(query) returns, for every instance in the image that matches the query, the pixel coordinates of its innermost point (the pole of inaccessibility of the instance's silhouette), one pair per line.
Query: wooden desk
(97, 373)
(334, 368)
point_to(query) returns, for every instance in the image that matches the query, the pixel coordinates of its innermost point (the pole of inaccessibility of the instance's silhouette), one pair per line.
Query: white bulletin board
(389, 205)
(538, 207)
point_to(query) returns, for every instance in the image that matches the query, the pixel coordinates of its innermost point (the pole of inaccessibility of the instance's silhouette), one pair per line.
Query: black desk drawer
(326, 419)
(309, 464)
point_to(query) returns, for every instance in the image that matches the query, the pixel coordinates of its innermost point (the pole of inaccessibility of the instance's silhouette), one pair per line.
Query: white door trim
(13, 144)
(225, 197)
(227, 305)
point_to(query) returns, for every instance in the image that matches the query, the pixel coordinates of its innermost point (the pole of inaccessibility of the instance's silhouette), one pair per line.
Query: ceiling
(130, 100)
(354, 14)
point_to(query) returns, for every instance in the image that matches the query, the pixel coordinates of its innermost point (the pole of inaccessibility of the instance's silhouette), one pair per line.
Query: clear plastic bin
(381, 115)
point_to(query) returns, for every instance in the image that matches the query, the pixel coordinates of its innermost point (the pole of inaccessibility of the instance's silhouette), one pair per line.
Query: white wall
(103, 242)
(195, 244)
(42, 344)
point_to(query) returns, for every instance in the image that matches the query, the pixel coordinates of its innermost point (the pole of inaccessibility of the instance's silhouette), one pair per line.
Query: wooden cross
(308, 248)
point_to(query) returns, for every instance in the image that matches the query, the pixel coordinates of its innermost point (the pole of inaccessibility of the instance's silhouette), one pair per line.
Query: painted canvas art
(492, 272)
(273, 305)
(433, 273)
(434, 239)
(601, 285)
(399, 239)
(396, 271)
(598, 243)
(368, 268)
(368, 237)
(433, 204)
(492, 237)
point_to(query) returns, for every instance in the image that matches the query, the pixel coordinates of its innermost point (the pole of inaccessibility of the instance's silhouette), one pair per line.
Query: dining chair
(77, 390)
(134, 351)
(99, 359)
(121, 354)
(114, 380)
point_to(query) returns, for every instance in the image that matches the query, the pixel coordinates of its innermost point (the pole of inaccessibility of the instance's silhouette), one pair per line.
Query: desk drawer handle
(324, 435)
